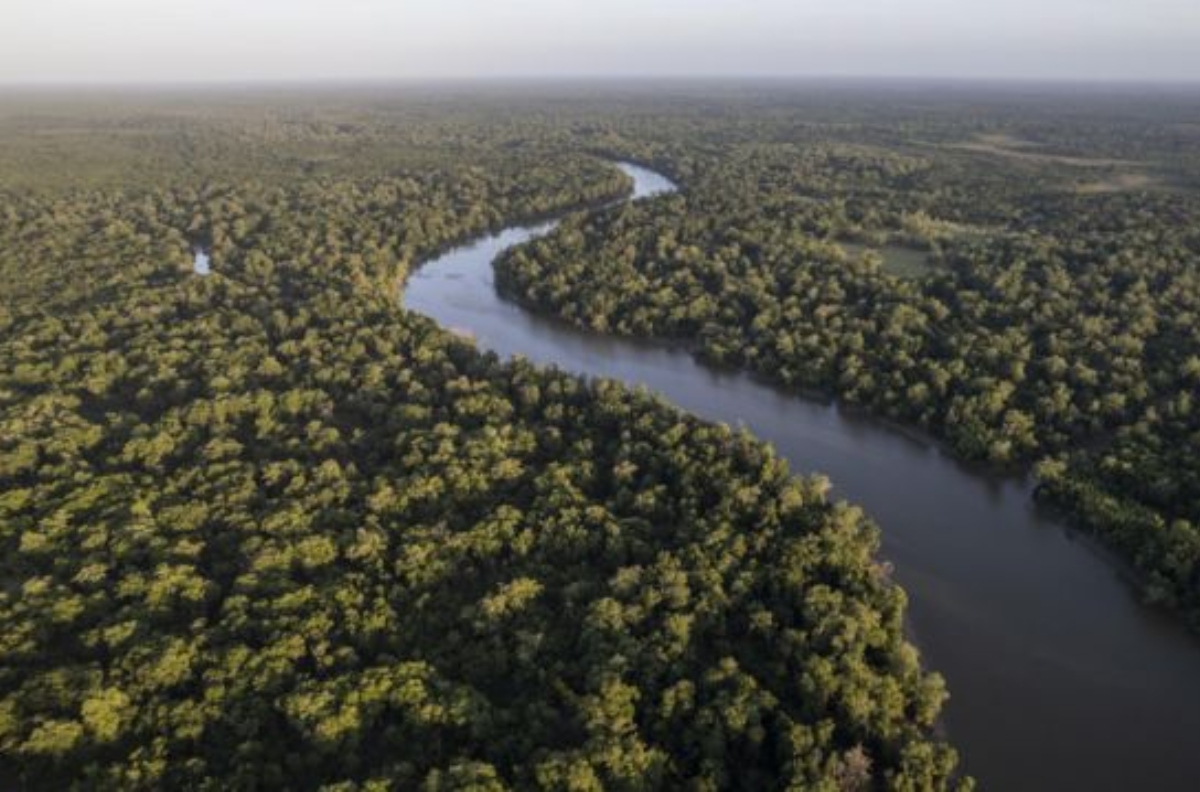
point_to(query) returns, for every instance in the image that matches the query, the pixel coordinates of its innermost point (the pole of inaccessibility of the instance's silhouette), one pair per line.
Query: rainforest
(283, 504)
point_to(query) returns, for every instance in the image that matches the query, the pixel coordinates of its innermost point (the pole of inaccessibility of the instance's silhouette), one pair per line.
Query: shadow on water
(1059, 678)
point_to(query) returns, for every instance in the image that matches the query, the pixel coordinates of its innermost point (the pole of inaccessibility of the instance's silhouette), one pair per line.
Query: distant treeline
(264, 529)
(1056, 325)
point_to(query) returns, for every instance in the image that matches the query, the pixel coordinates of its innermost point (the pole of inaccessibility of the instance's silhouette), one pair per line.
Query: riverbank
(1031, 634)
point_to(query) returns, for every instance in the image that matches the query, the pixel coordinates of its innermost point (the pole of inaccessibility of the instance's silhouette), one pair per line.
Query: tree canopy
(266, 529)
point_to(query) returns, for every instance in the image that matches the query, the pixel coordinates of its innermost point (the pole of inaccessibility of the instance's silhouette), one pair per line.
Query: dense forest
(1018, 277)
(265, 529)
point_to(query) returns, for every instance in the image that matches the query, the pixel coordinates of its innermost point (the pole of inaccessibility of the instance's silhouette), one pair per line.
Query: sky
(236, 40)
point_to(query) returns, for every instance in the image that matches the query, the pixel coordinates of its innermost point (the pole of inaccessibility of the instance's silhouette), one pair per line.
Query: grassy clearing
(1014, 148)
(898, 260)
(1124, 175)
(1119, 182)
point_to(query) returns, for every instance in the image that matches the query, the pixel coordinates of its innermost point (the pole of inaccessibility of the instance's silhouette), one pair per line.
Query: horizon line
(599, 79)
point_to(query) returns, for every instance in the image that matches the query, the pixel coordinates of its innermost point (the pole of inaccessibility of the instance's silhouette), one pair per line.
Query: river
(1059, 678)
(201, 261)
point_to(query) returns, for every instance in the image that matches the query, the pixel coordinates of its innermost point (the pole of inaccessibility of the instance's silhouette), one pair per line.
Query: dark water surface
(1059, 678)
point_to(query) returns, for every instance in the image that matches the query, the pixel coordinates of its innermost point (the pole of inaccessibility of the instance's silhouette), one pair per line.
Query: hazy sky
(170, 40)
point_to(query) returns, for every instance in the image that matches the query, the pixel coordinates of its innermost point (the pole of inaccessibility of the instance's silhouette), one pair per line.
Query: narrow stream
(201, 261)
(1059, 678)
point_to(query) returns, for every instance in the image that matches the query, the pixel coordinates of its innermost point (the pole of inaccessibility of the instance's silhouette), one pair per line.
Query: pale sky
(223, 40)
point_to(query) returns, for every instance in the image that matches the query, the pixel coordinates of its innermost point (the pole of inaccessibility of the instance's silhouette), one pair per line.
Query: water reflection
(201, 261)
(1060, 678)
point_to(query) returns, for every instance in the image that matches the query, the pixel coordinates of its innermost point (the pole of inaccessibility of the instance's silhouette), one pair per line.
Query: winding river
(1059, 678)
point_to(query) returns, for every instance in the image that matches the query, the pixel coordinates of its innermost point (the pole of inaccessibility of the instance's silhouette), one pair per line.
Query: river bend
(1059, 678)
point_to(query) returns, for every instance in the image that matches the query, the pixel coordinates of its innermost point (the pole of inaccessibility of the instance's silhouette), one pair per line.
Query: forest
(1018, 278)
(266, 529)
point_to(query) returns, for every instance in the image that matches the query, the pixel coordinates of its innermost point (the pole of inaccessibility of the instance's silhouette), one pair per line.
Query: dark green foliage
(1060, 322)
(264, 529)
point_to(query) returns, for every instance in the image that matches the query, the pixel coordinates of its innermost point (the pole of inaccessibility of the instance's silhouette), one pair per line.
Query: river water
(1059, 678)
(201, 261)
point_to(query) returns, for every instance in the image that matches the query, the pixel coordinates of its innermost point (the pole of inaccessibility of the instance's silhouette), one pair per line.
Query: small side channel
(201, 261)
